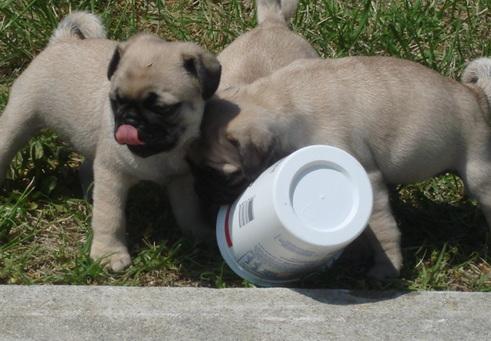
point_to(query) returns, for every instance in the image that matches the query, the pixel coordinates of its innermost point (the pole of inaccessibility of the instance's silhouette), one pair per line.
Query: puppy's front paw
(387, 257)
(115, 259)
(382, 271)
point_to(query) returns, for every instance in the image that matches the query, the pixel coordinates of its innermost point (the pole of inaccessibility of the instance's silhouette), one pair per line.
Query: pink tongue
(127, 134)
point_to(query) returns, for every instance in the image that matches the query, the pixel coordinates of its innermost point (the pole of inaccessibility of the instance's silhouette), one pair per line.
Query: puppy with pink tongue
(130, 109)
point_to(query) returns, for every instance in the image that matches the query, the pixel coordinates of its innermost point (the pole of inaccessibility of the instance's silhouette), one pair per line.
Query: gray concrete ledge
(128, 313)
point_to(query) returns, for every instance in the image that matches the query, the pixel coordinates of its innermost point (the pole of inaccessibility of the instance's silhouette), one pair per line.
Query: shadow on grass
(445, 244)
(438, 241)
(442, 245)
(151, 224)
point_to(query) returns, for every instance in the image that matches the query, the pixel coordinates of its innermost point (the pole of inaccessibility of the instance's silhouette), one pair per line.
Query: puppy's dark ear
(113, 64)
(206, 68)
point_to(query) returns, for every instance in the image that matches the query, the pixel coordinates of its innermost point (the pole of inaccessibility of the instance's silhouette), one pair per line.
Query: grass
(45, 223)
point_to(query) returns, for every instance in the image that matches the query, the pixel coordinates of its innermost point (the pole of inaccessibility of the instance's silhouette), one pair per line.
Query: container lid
(323, 196)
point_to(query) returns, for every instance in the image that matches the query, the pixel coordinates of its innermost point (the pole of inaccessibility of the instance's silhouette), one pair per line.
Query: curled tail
(282, 10)
(478, 75)
(78, 25)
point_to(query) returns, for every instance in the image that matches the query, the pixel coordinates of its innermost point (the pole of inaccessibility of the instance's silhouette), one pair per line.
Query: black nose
(128, 116)
(130, 120)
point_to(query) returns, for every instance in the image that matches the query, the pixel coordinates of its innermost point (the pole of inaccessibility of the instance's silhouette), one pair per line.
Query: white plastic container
(296, 217)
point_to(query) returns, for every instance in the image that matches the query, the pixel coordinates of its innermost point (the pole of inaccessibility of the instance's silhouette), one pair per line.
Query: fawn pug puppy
(255, 54)
(268, 47)
(130, 108)
(402, 121)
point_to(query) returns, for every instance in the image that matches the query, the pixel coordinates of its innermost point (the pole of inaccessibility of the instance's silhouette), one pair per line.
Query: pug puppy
(401, 120)
(129, 108)
(263, 50)
(253, 55)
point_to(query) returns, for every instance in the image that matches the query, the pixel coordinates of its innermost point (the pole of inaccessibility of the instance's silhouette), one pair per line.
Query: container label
(266, 265)
(246, 212)
(288, 245)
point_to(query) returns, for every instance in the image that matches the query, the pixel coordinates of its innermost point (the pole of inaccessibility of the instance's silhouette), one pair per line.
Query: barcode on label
(246, 212)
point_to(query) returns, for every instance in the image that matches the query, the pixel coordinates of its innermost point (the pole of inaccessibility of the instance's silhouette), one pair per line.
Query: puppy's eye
(120, 99)
(165, 110)
(232, 140)
(151, 99)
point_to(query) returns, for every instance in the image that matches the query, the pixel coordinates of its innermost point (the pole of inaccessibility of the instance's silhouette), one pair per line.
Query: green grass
(45, 224)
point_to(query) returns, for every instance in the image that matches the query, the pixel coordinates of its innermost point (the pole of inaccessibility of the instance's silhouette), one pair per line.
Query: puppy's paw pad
(120, 262)
(113, 260)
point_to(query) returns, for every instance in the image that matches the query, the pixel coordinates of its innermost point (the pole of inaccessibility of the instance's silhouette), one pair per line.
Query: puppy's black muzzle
(156, 138)
(159, 128)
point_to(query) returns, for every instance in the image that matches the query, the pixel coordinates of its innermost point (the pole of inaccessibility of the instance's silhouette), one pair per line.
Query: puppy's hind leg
(383, 233)
(18, 124)
(476, 174)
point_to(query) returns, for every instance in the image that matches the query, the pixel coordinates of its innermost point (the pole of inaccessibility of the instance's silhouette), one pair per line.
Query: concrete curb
(130, 313)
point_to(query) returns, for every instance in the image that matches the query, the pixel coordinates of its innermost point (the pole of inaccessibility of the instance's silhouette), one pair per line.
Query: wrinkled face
(214, 160)
(224, 161)
(214, 185)
(148, 125)
(158, 91)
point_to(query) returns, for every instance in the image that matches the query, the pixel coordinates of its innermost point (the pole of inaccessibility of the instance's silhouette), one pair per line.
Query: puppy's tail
(478, 75)
(276, 10)
(78, 25)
